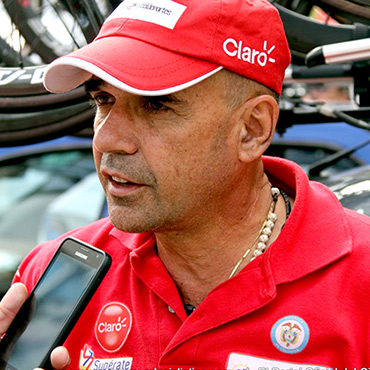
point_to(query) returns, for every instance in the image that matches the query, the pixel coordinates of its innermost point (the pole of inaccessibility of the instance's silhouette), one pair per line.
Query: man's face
(165, 163)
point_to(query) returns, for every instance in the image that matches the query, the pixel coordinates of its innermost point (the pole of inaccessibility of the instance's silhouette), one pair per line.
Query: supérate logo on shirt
(88, 361)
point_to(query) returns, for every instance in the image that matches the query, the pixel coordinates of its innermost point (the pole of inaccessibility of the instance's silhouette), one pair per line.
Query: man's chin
(130, 223)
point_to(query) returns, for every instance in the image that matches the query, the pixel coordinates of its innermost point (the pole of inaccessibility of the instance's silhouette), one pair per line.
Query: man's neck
(199, 260)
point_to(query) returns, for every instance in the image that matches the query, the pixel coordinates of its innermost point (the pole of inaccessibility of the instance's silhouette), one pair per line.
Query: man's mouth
(120, 181)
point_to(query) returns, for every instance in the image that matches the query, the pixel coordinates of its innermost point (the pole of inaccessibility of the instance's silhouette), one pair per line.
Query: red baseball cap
(158, 47)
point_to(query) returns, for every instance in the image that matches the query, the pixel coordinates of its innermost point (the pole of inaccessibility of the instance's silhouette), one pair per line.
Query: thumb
(10, 305)
(60, 358)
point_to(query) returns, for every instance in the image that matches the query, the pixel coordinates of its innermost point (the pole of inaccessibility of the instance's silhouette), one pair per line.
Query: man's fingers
(60, 358)
(10, 305)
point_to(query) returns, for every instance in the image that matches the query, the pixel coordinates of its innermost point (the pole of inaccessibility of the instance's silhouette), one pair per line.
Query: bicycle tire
(34, 103)
(10, 57)
(19, 130)
(30, 114)
(312, 33)
(344, 11)
(45, 43)
(22, 89)
(26, 120)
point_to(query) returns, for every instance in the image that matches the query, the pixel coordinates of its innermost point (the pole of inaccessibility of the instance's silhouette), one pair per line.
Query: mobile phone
(54, 306)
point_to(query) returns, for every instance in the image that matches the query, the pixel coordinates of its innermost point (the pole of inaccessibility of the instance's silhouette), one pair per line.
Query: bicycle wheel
(305, 33)
(32, 127)
(30, 114)
(343, 11)
(53, 28)
(10, 57)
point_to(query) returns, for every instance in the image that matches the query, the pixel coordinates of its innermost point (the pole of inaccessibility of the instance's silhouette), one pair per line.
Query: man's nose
(114, 133)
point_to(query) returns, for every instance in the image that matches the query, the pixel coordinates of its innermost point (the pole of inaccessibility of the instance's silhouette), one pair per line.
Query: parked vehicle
(45, 190)
(353, 188)
(307, 144)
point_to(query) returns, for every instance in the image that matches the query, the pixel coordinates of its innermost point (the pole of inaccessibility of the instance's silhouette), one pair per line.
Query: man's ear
(257, 126)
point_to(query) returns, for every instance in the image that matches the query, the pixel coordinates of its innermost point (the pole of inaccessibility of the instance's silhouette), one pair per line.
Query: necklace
(264, 233)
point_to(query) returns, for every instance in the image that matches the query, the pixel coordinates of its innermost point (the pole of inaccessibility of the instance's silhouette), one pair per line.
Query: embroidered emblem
(113, 326)
(89, 362)
(290, 334)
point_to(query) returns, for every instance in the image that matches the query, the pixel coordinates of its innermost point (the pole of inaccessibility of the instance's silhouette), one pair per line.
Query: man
(210, 268)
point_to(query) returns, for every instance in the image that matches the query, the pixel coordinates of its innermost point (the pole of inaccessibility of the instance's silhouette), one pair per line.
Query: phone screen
(50, 305)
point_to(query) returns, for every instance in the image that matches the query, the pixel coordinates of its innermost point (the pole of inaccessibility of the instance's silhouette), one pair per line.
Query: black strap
(288, 206)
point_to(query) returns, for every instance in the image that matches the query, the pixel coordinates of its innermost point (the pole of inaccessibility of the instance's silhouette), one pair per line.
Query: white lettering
(79, 254)
(38, 75)
(262, 59)
(112, 364)
(254, 53)
(12, 77)
(165, 13)
(247, 54)
(107, 327)
(240, 46)
(227, 51)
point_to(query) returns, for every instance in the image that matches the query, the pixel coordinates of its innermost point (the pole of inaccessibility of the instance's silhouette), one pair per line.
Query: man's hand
(10, 305)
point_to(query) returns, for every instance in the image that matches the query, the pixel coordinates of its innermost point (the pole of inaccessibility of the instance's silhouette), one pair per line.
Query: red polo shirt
(303, 304)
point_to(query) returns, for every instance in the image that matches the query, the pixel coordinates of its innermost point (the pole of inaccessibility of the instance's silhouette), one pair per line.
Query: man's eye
(102, 99)
(154, 105)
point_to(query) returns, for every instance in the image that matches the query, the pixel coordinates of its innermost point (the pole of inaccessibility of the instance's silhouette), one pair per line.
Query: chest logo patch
(290, 334)
(113, 326)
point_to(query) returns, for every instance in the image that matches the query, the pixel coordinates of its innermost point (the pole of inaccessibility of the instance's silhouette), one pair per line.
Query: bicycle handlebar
(349, 51)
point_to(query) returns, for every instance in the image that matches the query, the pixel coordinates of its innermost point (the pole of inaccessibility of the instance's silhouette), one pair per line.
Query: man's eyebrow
(93, 85)
(96, 84)
(169, 98)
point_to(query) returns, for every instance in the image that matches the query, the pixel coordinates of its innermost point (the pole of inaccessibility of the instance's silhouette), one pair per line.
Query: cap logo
(165, 13)
(237, 49)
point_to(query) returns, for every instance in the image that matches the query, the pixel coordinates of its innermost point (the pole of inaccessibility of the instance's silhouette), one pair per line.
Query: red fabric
(317, 270)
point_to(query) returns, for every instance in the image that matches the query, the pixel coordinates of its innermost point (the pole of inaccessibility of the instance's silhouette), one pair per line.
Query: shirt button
(171, 309)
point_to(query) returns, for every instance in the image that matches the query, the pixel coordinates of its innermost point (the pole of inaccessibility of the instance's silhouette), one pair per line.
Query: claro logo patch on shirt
(238, 361)
(113, 326)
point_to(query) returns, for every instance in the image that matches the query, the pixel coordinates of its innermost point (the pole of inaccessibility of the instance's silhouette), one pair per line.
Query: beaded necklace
(264, 233)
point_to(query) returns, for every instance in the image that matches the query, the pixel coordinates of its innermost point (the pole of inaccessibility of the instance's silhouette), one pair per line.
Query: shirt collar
(316, 233)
